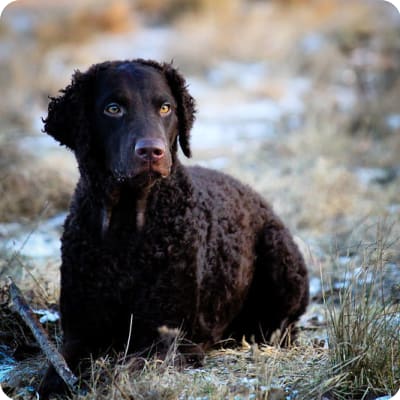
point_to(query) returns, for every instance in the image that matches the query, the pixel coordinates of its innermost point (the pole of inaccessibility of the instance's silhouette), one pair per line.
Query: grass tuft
(363, 330)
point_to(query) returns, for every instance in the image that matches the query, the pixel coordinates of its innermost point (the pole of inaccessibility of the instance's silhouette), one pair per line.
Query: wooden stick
(22, 308)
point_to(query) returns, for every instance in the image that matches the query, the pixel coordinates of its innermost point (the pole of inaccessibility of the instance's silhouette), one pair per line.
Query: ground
(296, 98)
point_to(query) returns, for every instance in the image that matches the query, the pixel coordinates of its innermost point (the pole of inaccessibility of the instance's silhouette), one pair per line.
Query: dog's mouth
(143, 175)
(153, 170)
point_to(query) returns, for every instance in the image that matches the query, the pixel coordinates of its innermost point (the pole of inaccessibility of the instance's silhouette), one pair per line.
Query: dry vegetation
(346, 222)
(29, 188)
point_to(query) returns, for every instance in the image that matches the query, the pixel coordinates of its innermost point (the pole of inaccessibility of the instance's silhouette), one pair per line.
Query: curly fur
(211, 259)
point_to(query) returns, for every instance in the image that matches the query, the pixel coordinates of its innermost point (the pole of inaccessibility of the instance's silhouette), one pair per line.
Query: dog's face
(123, 119)
(135, 120)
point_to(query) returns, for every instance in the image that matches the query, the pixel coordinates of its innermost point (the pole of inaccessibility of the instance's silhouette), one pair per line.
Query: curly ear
(66, 113)
(186, 106)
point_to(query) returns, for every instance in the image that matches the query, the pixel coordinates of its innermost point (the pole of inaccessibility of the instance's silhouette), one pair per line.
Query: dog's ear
(66, 113)
(186, 106)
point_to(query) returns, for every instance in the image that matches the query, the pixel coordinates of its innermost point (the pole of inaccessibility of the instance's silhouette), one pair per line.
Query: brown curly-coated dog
(155, 243)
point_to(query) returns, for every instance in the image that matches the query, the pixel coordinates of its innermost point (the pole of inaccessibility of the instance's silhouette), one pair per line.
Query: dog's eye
(165, 109)
(113, 110)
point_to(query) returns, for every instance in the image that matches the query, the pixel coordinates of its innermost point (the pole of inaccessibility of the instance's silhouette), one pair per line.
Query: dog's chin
(145, 179)
(142, 179)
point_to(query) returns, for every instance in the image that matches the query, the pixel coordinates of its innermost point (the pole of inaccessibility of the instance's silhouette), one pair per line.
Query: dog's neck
(141, 204)
(124, 198)
(110, 197)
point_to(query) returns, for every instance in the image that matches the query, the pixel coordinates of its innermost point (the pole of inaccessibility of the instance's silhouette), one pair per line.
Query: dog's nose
(150, 149)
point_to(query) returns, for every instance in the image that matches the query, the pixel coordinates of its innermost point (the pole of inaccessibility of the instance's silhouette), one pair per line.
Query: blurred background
(298, 98)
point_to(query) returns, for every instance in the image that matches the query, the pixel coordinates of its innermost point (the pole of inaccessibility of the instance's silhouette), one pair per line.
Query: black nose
(150, 149)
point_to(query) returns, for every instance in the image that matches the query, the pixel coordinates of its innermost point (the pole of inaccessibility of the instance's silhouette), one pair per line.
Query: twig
(22, 308)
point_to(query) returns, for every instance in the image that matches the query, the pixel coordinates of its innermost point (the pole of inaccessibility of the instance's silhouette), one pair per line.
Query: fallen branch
(49, 349)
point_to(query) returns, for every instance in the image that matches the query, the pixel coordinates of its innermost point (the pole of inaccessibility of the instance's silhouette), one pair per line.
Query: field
(299, 99)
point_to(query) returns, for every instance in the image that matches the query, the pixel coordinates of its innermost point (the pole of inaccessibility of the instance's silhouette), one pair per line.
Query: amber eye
(113, 110)
(165, 109)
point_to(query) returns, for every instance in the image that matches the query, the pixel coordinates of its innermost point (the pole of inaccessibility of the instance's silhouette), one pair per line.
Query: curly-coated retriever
(151, 244)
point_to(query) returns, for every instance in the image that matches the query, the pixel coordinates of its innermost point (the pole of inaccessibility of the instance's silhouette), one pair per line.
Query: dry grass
(29, 188)
(26, 194)
(246, 373)
(75, 21)
(82, 22)
(225, 29)
(364, 342)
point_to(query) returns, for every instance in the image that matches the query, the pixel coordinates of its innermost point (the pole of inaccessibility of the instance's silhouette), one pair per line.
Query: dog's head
(123, 119)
